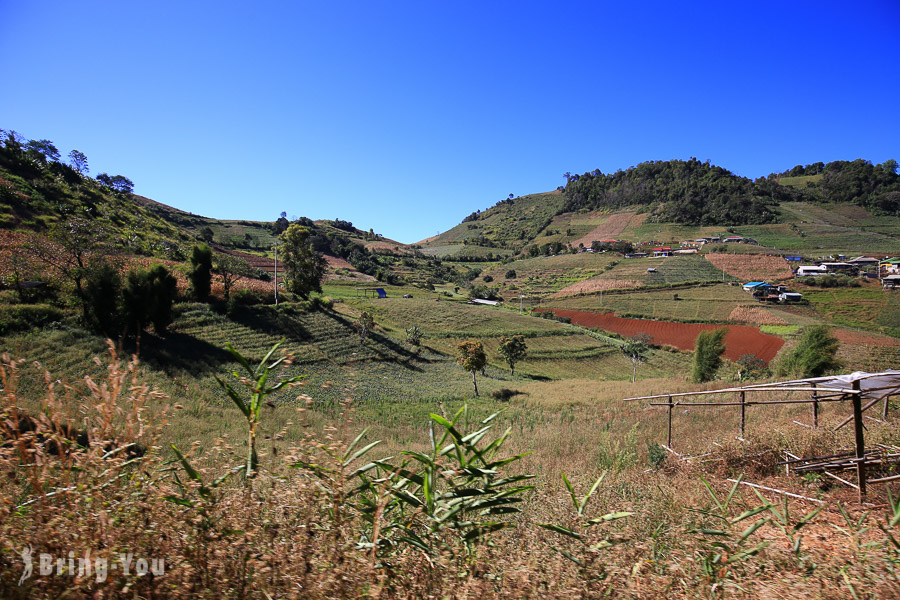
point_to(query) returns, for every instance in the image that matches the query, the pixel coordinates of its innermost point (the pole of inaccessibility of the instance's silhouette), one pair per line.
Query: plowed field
(740, 340)
(611, 228)
(752, 267)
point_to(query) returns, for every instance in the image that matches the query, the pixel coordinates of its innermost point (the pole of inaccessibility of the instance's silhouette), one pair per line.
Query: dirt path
(612, 227)
(740, 340)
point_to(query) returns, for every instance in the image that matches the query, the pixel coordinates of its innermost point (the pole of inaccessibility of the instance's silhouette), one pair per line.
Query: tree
(148, 298)
(201, 272)
(708, 354)
(512, 349)
(42, 152)
(231, 268)
(79, 162)
(207, 234)
(116, 183)
(814, 355)
(304, 268)
(636, 350)
(74, 243)
(102, 295)
(471, 357)
(364, 325)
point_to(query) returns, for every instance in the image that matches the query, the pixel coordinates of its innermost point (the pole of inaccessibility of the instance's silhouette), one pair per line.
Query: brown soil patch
(755, 316)
(741, 339)
(589, 286)
(752, 267)
(612, 227)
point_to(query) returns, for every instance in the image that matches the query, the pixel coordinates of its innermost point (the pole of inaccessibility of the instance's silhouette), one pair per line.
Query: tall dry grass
(307, 533)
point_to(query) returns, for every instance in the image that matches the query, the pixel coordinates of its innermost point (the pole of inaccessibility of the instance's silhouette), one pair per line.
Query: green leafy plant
(588, 545)
(451, 498)
(257, 383)
(724, 547)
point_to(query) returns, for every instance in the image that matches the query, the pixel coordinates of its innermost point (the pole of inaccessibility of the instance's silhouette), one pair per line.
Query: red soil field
(740, 340)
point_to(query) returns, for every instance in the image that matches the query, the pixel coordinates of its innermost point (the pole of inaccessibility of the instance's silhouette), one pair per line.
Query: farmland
(752, 267)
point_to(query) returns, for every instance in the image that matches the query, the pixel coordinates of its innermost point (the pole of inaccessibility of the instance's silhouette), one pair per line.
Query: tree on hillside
(814, 355)
(364, 325)
(751, 366)
(708, 354)
(116, 183)
(304, 268)
(42, 152)
(148, 298)
(73, 245)
(201, 272)
(636, 350)
(512, 350)
(471, 357)
(102, 295)
(79, 162)
(231, 268)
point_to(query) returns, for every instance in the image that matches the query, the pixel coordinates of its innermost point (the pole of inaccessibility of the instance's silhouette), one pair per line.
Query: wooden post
(743, 415)
(860, 442)
(885, 408)
(815, 397)
(669, 436)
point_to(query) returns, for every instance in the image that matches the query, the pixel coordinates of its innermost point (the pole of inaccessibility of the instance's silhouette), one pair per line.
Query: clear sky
(407, 116)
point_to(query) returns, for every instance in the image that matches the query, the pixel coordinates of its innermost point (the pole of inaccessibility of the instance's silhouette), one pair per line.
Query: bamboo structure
(853, 388)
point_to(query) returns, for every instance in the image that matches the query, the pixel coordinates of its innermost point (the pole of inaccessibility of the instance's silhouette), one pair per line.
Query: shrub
(487, 279)
(511, 274)
(414, 335)
(102, 297)
(201, 272)
(814, 355)
(504, 394)
(708, 354)
(148, 298)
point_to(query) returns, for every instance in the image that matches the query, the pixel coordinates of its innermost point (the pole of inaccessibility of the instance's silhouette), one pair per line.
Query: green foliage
(364, 324)
(829, 281)
(231, 268)
(414, 335)
(102, 296)
(511, 274)
(678, 191)
(201, 272)
(751, 366)
(588, 545)
(636, 350)
(454, 492)
(656, 455)
(814, 355)
(25, 317)
(304, 267)
(256, 380)
(471, 357)
(147, 299)
(512, 350)
(708, 354)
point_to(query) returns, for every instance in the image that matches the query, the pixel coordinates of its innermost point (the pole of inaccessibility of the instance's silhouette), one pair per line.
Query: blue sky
(407, 116)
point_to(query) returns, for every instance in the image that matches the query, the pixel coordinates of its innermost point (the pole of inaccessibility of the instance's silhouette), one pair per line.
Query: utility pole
(276, 273)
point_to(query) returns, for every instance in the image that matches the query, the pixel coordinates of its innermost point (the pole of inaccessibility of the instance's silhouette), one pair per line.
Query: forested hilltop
(698, 193)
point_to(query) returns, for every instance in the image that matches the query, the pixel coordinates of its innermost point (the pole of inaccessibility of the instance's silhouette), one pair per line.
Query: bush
(487, 279)
(511, 274)
(325, 302)
(814, 355)
(201, 272)
(102, 297)
(708, 354)
(414, 335)
(148, 298)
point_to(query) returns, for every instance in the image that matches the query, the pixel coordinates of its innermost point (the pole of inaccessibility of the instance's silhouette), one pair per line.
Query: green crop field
(669, 271)
(866, 308)
(712, 303)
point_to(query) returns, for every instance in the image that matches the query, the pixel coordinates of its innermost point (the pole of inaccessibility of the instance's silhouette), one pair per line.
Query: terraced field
(712, 303)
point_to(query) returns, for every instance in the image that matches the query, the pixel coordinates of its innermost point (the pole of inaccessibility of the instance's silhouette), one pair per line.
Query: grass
(783, 330)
